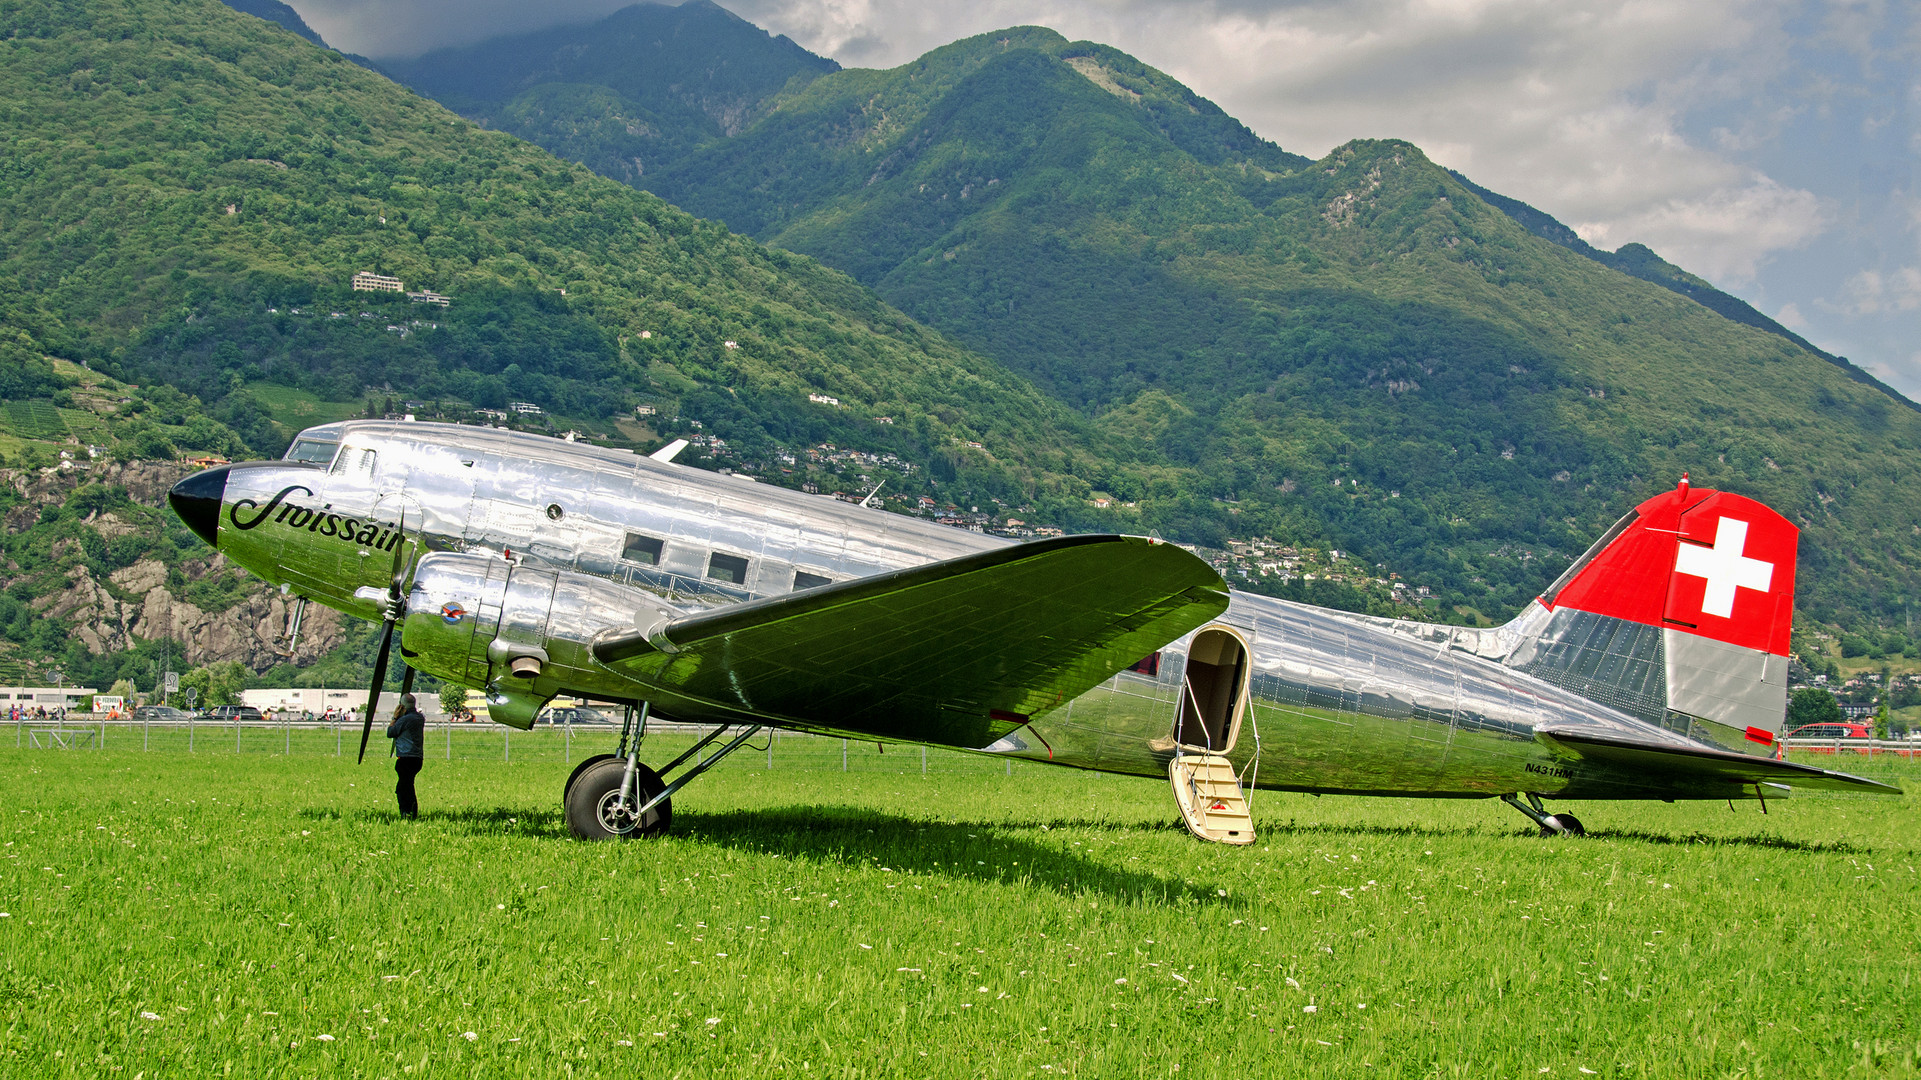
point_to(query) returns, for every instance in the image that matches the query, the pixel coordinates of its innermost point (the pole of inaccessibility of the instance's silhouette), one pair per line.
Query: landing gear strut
(1562, 824)
(615, 797)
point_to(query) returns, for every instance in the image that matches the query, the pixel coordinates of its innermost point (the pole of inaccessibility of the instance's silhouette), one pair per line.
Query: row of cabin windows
(720, 566)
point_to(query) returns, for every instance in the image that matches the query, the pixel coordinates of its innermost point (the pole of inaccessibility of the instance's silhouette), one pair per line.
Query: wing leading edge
(957, 652)
(1664, 764)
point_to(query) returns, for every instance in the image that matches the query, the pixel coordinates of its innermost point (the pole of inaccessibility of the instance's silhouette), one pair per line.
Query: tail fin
(1680, 615)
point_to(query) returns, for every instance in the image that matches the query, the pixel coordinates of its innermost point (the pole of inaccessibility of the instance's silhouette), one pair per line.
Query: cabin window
(641, 549)
(1149, 665)
(312, 451)
(805, 580)
(728, 568)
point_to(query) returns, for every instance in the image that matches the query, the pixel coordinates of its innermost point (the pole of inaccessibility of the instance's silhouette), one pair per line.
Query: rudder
(1680, 615)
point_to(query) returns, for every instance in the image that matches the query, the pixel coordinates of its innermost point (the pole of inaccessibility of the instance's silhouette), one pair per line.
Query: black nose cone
(197, 500)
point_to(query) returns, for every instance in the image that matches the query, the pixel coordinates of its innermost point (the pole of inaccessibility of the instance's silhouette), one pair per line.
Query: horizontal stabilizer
(1689, 763)
(958, 652)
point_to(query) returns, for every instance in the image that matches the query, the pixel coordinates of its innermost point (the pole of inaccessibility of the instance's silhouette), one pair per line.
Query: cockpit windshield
(314, 451)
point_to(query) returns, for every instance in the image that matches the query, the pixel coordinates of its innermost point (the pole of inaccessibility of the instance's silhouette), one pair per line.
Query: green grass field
(265, 914)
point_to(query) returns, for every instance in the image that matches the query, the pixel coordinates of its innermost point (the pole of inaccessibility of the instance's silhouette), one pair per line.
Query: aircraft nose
(196, 500)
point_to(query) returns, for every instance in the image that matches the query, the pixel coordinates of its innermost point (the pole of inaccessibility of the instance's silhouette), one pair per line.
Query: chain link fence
(452, 741)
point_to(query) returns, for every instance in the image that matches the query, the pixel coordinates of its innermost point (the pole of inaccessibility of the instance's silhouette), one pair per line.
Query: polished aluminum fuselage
(1333, 702)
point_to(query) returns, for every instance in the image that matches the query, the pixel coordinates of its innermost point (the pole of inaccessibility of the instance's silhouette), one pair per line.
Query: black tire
(1569, 826)
(581, 768)
(590, 801)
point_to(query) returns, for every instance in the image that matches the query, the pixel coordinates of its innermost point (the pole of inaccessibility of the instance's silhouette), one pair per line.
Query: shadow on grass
(850, 835)
(994, 853)
(499, 821)
(1771, 842)
(990, 852)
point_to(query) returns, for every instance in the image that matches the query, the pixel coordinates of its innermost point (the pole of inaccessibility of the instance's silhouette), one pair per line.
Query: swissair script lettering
(359, 533)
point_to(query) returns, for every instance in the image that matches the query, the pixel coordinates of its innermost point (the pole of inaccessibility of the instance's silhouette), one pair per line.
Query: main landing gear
(615, 797)
(1562, 824)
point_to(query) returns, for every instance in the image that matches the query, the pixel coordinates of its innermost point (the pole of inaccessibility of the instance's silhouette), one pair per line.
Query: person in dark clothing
(409, 733)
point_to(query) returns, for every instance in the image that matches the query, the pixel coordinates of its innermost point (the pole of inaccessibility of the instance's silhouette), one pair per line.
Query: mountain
(1228, 340)
(1640, 261)
(1359, 344)
(276, 12)
(288, 19)
(188, 192)
(623, 95)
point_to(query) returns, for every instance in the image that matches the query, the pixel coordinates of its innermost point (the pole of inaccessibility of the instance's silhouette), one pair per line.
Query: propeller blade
(373, 692)
(406, 679)
(386, 639)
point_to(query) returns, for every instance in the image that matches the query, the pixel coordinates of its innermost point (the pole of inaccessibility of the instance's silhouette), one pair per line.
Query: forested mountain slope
(1359, 344)
(188, 191)
(185, 193)
(625, 95)
(1640, 261)
(1357, 351)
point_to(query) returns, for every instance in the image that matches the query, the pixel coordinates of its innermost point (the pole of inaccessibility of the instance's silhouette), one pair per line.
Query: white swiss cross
(1724, 567)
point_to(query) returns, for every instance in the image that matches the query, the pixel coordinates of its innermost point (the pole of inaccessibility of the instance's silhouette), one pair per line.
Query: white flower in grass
(469, 1036)
(1120, 982)
(623, 1042)
(712, 1020)
(1310, 1008)
(324, 1038)
(149, 1016)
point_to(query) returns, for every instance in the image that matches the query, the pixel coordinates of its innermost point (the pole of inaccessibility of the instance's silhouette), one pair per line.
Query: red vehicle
(1832, 732)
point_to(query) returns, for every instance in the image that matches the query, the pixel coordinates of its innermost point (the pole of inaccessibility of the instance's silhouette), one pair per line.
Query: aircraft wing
(1685, 763)
(957, 652)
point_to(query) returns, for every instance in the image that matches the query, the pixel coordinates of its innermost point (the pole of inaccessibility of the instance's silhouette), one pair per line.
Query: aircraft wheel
(581, 768)
(1568, 825)
(593, 810)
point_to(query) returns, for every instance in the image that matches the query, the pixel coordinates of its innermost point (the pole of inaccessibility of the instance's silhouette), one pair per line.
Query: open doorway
(1213, 692)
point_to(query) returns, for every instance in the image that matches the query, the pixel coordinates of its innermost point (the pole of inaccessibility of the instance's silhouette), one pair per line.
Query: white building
(299, 699)
(368, 281)
(48, 697)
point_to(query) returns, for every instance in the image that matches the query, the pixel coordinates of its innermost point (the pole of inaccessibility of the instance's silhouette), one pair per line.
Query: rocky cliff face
(142, 600)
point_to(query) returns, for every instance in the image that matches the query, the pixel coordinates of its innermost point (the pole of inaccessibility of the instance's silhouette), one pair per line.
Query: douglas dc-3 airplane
(1655, 668)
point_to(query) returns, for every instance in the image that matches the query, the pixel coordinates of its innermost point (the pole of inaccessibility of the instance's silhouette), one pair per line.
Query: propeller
(394, 596)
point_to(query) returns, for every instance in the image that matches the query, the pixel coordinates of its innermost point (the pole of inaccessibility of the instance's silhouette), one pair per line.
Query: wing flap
(1703, 763)
(958, 652)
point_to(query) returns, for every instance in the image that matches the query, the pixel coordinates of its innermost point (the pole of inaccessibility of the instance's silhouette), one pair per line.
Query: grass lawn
(266, 914)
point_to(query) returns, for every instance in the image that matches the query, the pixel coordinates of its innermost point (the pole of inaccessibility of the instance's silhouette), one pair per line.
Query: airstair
(1208, 791)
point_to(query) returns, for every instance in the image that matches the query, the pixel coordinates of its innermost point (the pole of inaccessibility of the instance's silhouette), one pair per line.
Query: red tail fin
(1708, 563)
(1681, 615)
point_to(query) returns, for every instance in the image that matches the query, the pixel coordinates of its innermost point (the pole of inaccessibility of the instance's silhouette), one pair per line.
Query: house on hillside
(368, 281)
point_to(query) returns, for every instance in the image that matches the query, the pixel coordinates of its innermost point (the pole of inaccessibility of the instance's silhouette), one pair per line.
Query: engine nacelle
(522, 632)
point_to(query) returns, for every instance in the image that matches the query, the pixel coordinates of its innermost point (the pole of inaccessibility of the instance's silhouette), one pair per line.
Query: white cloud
(1790, 316)
(1720, 234)
(1872, 292)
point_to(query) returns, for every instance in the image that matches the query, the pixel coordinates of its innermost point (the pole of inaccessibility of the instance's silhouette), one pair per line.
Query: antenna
(869, 500)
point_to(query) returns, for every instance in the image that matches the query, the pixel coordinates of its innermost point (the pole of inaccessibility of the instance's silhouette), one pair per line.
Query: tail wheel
(1563, 824)
(596, 810)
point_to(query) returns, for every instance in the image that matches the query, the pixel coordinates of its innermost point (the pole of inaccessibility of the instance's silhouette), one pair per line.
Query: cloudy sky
(1768, 145)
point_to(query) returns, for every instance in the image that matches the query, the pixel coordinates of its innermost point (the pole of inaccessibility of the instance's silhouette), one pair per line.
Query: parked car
(162, 714)
(245, 714)
(1831, 731)
(575, 714)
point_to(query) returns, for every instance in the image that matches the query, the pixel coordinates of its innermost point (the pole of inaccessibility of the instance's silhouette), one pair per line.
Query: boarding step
(1208, 791)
